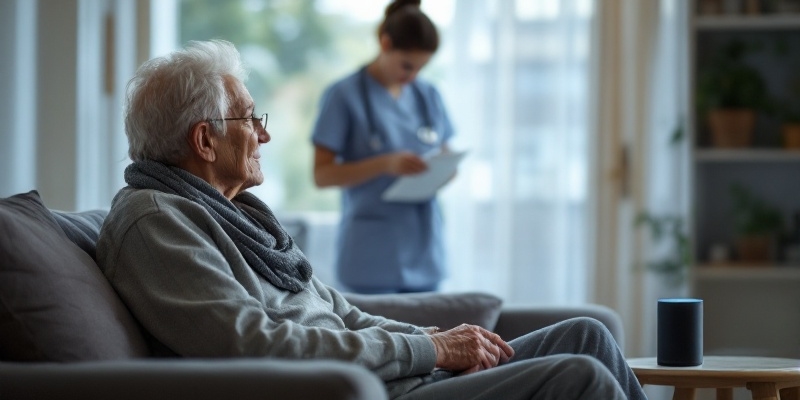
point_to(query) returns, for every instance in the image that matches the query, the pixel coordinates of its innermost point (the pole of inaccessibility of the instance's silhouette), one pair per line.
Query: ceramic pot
(791, 136)
(755, 248)
(731, 128)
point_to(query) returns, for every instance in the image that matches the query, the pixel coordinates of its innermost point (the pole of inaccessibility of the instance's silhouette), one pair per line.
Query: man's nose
(263, 135)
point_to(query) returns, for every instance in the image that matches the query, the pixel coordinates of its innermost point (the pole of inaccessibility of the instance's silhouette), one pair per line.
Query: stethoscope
(426, 134)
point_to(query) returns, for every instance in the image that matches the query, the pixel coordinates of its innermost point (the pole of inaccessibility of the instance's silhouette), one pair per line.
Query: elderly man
(208, 271)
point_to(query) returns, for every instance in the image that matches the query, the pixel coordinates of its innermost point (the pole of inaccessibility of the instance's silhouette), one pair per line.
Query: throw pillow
(82, 228)
(55, 304)
(445, 310)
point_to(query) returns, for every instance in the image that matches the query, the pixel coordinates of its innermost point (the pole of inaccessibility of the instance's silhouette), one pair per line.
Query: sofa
(64, 334)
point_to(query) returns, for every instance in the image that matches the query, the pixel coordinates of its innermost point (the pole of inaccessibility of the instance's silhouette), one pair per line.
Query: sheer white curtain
(17, 105)
(64, 69)
(516, 87)
(666, 192)
(640, 100)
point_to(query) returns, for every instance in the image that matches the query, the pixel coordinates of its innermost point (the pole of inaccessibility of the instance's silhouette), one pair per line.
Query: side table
(765, 377)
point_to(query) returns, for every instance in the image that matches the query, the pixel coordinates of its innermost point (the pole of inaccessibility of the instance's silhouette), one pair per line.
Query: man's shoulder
(131, 205)
(138, 202)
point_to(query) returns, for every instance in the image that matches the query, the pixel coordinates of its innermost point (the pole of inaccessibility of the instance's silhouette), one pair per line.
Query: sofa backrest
(82, 228)
(55, 304)
(444, 310)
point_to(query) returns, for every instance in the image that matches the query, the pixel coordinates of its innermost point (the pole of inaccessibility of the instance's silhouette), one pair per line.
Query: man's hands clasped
(469, 348)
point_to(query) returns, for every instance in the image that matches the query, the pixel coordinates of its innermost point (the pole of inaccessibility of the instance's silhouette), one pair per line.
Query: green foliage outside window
(293, 52)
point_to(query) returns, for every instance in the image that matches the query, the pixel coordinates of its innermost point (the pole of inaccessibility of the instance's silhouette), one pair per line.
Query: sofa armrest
(515, 321)
(156, 379)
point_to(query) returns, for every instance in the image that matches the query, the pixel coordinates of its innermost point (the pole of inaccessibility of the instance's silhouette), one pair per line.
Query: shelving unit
(743, 156)
(745, 272)
(750, 307)
(746, 22)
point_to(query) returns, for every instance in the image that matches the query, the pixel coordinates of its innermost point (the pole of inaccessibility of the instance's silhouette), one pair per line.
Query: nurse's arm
(329, 172)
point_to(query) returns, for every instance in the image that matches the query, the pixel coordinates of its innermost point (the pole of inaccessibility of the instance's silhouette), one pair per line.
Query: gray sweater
(187, 284)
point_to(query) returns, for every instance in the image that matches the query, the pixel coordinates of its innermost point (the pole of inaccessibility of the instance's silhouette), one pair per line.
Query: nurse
(374, 126)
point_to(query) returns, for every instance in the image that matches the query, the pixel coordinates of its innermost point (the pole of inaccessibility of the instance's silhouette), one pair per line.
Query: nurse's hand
(470, 348)
(404, 163)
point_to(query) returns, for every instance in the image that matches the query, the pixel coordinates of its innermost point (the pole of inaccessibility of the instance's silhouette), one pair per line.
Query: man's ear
(202, 141)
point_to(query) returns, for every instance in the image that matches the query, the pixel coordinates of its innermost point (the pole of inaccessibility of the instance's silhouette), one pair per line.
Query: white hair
(169, 94)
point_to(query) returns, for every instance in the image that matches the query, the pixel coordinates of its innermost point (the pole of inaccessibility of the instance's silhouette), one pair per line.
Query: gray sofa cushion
(55, 305)
(445, 310)
(82, 228)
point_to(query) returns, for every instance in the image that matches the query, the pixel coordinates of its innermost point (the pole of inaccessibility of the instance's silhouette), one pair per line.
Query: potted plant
(729, 95)
(789, 113)
(790, 132)
(757, 225)
(668, 233)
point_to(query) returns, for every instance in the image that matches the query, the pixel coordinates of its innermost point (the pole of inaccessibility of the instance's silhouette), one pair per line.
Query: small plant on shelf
(730, 93)
(667, 232)
(757, 225)
(788, 110)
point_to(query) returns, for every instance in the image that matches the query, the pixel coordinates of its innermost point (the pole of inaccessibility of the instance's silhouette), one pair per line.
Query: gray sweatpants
(575, 359)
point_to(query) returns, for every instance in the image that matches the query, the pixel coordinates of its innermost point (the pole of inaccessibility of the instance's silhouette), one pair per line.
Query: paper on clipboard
(420, 187)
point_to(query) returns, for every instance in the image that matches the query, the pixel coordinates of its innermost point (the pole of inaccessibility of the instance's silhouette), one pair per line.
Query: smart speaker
(680, 332)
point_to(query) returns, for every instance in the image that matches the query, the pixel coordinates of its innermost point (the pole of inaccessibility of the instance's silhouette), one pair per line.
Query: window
(514, 77)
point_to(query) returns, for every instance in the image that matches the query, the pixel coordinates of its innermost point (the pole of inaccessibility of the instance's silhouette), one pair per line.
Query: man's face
(237, 165)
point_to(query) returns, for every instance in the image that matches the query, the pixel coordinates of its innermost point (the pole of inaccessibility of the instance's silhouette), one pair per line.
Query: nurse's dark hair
(408, 27)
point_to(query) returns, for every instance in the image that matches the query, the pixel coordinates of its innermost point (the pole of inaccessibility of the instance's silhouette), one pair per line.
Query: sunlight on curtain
(667, 156)
(668, 150)
(516, 90)
(18, 166)
(640, 100)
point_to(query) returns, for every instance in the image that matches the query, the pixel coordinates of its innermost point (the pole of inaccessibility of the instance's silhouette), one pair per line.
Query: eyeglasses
(262, 120)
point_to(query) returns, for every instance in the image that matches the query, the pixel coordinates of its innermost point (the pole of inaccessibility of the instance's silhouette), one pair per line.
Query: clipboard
(423, 186)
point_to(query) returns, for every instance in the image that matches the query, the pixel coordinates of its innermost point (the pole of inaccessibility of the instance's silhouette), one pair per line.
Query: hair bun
(399, 4)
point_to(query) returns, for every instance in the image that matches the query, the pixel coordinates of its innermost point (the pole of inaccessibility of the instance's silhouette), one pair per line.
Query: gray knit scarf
(252, 226)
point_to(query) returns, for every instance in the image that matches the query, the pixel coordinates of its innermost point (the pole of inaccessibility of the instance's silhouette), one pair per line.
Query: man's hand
(470, 348)
(430, 330)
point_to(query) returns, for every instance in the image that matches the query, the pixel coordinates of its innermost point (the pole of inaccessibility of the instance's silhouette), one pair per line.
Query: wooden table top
(752, 369)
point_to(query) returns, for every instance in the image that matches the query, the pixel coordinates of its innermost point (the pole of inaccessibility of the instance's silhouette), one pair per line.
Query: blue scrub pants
(571, 360)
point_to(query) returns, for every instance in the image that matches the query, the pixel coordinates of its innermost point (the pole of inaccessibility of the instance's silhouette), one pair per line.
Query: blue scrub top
(383, 246)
